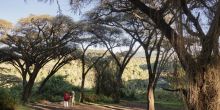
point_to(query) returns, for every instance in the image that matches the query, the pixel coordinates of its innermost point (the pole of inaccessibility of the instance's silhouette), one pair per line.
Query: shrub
(128, 94)
(107, 85)
(55, 87)
(6, 100)
(98, 98)
(16, 92)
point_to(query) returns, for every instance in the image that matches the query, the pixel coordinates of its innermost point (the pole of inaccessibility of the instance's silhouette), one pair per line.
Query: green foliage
(90, 97)
(107, 85)
(22, 107)
(16, 91)
(55, 87)
(7, 101)
(168, 100)
(132, 71)
(161, 95)
(8, 80)
(133, 89)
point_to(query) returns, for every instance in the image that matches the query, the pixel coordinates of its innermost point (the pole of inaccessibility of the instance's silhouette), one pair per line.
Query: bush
(55, 87)
(98, 98)
(128, 94)
(16, 92)
(6, 100)
(107, 84)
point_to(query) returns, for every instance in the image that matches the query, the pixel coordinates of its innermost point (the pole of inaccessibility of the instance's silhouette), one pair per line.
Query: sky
(13, 10)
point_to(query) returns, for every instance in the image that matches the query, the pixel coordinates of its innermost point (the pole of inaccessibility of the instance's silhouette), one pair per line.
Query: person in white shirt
(72, 98)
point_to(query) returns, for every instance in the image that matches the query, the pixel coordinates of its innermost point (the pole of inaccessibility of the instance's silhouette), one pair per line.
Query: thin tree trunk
(150, 95)
(150, 91)
(97, 92)
(82, 89)
(118, 87)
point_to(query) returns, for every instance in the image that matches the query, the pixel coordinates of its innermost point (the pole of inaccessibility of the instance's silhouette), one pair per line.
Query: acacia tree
(35, 41)
(88, 60)
(109, 36)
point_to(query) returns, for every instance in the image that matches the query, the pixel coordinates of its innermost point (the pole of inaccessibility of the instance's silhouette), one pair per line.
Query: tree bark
(97, 92)
(27, 88)
(150, 95)
(82, 89)
(150, 92)
(204, 90)
(118, 87)
(27, 91)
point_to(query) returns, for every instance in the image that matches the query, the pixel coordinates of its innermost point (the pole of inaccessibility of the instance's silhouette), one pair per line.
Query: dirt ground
(39, 106)
(86, 106)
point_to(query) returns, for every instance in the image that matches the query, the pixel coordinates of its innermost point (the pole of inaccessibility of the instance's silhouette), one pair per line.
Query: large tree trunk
(204, 90)
(27, 91)
(28, 85)
(82, 89)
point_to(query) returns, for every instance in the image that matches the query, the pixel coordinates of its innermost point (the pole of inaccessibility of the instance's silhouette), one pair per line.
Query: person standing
(66, 98)
(72, 98)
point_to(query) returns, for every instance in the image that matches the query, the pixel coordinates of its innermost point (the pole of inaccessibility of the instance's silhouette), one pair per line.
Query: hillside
(73, 70)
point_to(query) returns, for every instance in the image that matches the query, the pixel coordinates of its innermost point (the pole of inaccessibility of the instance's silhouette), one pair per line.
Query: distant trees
(100, 68)
(106, 71)
(34, 42)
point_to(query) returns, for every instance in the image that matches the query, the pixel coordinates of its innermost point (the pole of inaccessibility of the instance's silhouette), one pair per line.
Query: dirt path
(124, 105)
(56, 106)
(86, 106)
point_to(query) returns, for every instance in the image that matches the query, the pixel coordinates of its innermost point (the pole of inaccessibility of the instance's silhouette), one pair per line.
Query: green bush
(98, 98)
(16, 92)
(6, 100)
(55, 87)
(128, 94)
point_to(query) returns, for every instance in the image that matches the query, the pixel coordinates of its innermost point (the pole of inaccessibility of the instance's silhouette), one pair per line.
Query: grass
(169, 104)
(164, 100)
(21, 107)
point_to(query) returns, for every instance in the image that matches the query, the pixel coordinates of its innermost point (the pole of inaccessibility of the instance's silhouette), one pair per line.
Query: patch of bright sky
(13, 10)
